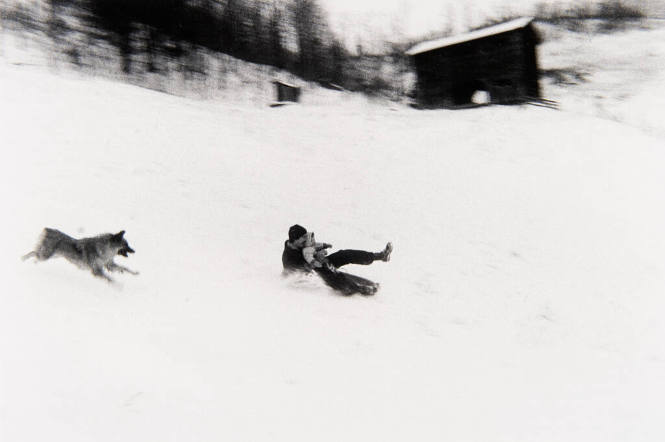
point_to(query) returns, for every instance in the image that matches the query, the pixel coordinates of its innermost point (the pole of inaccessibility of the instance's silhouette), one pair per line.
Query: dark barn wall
(532, 40)
(286, 92)
(505, 65)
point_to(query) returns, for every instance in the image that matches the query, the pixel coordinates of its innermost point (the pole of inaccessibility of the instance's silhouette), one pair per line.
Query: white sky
(367, 19)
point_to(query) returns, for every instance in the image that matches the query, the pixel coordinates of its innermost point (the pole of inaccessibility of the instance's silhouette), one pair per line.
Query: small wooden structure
(286, 93)
(500, 61)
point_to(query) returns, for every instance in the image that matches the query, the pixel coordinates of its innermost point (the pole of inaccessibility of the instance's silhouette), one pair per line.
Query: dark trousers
(344, 257)
(343, 282)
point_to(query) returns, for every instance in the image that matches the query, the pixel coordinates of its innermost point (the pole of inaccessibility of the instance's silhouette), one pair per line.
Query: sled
(346, 283)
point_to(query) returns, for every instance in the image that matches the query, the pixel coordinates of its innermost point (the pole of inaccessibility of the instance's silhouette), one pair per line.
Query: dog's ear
(118, 236)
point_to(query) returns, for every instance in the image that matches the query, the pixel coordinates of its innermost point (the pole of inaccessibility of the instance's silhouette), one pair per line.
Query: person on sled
(303, 254)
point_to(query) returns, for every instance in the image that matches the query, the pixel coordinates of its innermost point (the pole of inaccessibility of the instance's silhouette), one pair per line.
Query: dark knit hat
(296, 231)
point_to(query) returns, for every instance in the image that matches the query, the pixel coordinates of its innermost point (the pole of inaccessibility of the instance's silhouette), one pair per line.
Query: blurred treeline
(294, 36)
(156, 35)
(603, 16)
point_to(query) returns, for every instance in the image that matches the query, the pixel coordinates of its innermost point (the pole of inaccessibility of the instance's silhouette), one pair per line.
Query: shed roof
(439, 43)
(285, 83)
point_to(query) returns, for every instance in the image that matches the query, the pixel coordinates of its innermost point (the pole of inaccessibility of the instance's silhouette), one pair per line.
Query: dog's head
(121, 243)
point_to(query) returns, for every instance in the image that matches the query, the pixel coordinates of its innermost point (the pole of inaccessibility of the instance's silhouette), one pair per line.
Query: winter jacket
(293, 259)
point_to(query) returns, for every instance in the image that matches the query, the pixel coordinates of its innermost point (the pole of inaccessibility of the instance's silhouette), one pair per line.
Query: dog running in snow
(95, 253)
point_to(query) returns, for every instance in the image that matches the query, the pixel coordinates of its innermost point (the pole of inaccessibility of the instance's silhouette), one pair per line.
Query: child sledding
(303, 254)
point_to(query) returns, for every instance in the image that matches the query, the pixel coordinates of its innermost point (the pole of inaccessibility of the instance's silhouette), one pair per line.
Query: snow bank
(522, 303)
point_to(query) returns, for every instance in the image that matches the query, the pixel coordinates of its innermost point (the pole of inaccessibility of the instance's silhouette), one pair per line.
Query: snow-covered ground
(621, 74)
(523, 301)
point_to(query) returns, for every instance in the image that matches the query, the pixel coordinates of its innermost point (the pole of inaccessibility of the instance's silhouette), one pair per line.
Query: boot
(384, 255)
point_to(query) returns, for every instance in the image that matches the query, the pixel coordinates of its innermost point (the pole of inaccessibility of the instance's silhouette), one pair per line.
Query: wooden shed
(499, 61)
(286, 93)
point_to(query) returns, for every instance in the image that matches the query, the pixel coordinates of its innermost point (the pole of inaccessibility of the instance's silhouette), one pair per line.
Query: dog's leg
(99, 272)
(113, 267)
(130, 271)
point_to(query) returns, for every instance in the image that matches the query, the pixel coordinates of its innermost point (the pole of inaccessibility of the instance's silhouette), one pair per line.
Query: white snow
(523, 302)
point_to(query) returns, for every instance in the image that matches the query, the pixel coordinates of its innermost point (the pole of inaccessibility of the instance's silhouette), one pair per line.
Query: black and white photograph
(332, 220)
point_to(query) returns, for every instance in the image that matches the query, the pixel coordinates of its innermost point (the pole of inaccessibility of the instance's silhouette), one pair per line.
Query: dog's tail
(46, 232)
(29, 255)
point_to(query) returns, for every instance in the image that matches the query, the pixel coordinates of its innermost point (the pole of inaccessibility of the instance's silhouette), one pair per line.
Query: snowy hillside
(523, 301)
(616, 76)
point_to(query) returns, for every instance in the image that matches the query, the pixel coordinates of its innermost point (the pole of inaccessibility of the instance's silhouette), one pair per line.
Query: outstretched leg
(113, 267)
(99, 272)
(344, 257)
